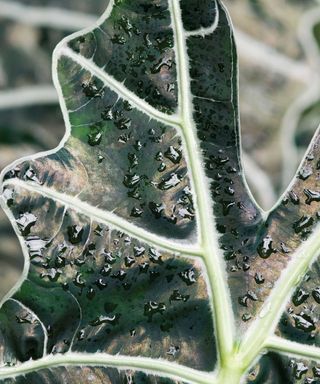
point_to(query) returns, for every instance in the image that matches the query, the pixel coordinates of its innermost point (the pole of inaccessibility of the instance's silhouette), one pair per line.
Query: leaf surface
(142, 240)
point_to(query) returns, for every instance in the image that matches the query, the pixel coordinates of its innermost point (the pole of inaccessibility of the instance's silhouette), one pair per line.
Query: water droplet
(304, 322)
(300, 297)
(100, 159)
(78, 281)
(173, 350)
(35, 246)
(156, 209)
(163, 62)
(162, 167)
(30, 174)
(152, 307)
(246, 317)
(311, 196)
(120, 275)
(284, 248)
(226, 206)
(294, 198)
(75, 234)
(52, 274)
(91, 90)
(259, 279)
(173, 154)
(316, 371)
(131, 181)
(155, 256)
(265, 248)
(299, 369)
(106, 270)
(109, 257)
(26, 319)
(25, 222)
(170, 182)
(305, 173)
(303, 223)
(144, 267)
(90, 293)
(94, 138)
(188, 276)
(81, 334)
(316, 294)
(112, 320)
(107, 114)
(118, 39)
(123, 123)
(101, 284)
(8, 195)
(129, 260)
(138, 251)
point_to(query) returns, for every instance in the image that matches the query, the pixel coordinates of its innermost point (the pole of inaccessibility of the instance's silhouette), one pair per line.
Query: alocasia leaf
(144, 249)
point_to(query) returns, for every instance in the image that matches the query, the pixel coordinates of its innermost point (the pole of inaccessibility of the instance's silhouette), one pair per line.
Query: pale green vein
(291, 348)
(108, 218)
(119, 88)
(160, 368)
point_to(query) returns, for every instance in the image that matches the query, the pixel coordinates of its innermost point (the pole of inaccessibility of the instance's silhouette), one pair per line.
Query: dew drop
(35, 246)
(173, 154)
(152, 307)
(170, 182)
(156, 209)
(259, 279)
(25, 222)
(300, 297)
(173, 350)
(112, 320)
(52, 274)
(138, 251)
(136, 212)
(246, 317)
(75, 234)
(304, 322)
(8, 195)
(131, 181)
(265, 248)
(316, 294)
(311, 196)
(188, 276)
(303, 223)
(299, 370)
(305, 173)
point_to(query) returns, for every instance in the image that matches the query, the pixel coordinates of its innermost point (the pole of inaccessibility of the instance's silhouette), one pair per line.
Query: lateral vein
(109, 219)
(119, 88)
(148, 365)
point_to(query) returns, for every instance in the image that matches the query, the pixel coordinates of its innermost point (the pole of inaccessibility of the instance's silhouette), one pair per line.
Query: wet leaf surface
(149, 179)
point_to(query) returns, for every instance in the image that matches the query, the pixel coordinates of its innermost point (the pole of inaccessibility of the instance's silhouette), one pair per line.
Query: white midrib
(224, 324)
(108, 218)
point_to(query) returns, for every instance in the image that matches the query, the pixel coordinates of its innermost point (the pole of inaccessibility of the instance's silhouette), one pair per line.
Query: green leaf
(144, 249)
